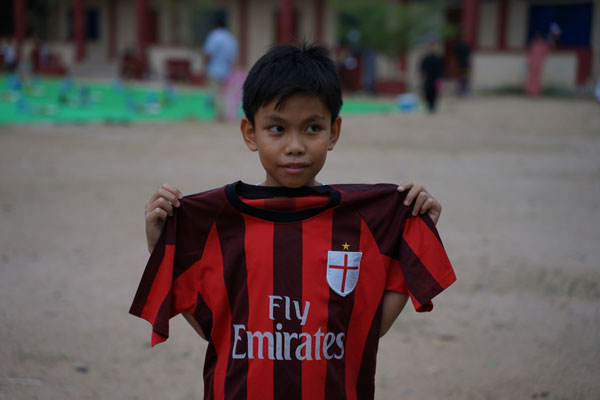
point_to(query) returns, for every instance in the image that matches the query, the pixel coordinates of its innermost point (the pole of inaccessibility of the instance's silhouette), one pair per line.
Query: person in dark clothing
(463, 60)
(432, 71)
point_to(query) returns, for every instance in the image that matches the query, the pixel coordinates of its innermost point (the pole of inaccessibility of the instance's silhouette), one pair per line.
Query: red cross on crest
(342, 271)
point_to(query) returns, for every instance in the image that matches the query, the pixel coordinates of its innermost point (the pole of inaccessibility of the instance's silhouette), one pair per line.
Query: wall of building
(166, 20)
(498, 69)
(490, 68)
(307, 24)
(519, 18)
(516, 29)
(488, 25)
(561, 67)
(97, 50)
(158, 56)
(388, 68)
(261, 28)
(596, 41)
(126, 26)
(330, 29)
(64, 47)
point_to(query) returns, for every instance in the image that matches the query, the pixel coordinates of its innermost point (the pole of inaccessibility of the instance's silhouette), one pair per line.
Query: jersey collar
(239, 188)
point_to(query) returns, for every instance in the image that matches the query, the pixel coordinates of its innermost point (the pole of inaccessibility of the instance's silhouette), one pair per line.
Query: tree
(391, 27)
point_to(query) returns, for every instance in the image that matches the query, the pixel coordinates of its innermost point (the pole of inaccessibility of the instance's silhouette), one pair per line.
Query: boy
(292, 282)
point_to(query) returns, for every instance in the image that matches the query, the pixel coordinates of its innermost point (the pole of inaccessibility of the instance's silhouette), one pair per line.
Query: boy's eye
(276, 128)
(314, 128)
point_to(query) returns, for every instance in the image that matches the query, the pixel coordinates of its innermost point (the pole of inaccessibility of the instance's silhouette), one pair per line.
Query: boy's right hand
(158, 209)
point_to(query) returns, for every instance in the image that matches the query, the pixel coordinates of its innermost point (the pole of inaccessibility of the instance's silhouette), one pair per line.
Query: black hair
(219, 20)
(288, 69)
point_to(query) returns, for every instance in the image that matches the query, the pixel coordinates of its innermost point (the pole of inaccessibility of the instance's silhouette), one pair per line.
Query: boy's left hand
(424, 202)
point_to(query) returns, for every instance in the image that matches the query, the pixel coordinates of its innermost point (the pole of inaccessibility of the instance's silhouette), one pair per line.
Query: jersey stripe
(288, 203)
(395, 278)
(231, 232)
(316, 242)
(259, 261)
(419, 281)
(204, 317)
(427, 246)
(345, 230)
(159, 292)
(287, 281)
(365, 382)
(366, 305)
(212, 284)
(149, 276)
(425, 264)
(311, 202)
(159, 325)
(280, 203)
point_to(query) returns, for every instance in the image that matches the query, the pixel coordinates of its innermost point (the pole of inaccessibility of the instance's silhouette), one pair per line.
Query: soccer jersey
(287, 284)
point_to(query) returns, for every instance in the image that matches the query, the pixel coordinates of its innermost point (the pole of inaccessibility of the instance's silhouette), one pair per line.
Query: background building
(92, 36)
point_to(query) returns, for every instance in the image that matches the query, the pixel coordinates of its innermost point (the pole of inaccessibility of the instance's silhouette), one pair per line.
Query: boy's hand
(157, 209)
(424, 202)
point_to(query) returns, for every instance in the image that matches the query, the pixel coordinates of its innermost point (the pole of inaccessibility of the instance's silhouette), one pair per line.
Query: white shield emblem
(342, 270)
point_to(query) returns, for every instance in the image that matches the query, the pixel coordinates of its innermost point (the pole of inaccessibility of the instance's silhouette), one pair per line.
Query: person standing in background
(220, 51)
(597, 89)
(432, 71)
(9, 55)
(554, 35)
(463, 61)
(538, 49)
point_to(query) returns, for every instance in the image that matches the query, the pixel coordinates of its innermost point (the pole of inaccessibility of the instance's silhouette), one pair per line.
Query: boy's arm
(393, 303)
(192, 321)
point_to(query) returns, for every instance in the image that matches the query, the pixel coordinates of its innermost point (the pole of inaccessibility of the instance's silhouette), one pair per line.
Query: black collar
(239, 188)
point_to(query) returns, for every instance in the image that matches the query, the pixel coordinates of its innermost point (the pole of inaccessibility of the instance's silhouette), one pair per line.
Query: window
(92, 24)
(574, 20)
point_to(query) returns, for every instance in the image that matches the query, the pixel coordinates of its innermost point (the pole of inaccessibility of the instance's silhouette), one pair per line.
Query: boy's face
(292, 141)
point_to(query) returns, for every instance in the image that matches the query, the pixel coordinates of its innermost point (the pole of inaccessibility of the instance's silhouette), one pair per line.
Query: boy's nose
(294, 144)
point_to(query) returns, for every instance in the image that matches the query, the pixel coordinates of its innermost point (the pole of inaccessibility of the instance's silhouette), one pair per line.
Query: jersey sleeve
(423, 262)
(170, 282)
(158, 297)
(418, 264)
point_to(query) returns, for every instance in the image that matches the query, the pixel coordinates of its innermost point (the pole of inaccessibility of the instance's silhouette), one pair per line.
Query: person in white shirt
(221, 52)
(9, 55)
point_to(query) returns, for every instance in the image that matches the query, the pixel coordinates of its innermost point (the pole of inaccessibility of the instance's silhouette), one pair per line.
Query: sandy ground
(519, 181)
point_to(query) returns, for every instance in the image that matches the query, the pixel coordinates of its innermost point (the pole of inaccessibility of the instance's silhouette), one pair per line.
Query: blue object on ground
(407, 103)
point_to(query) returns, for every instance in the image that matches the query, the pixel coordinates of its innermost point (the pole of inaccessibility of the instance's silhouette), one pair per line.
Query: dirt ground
(519, 181)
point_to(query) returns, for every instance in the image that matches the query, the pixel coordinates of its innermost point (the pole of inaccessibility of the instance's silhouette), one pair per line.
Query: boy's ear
(336, 128)
(248, 134)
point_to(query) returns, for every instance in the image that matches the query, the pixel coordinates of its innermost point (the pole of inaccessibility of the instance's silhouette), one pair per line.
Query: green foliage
(391, 27)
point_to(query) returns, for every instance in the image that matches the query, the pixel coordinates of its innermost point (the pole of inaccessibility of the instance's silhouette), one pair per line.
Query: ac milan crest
(342, 271)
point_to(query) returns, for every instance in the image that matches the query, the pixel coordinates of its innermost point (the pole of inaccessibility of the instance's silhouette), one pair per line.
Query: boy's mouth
(294, 168)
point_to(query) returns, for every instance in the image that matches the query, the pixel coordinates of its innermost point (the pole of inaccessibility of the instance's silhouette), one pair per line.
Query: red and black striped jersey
(287, 284)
